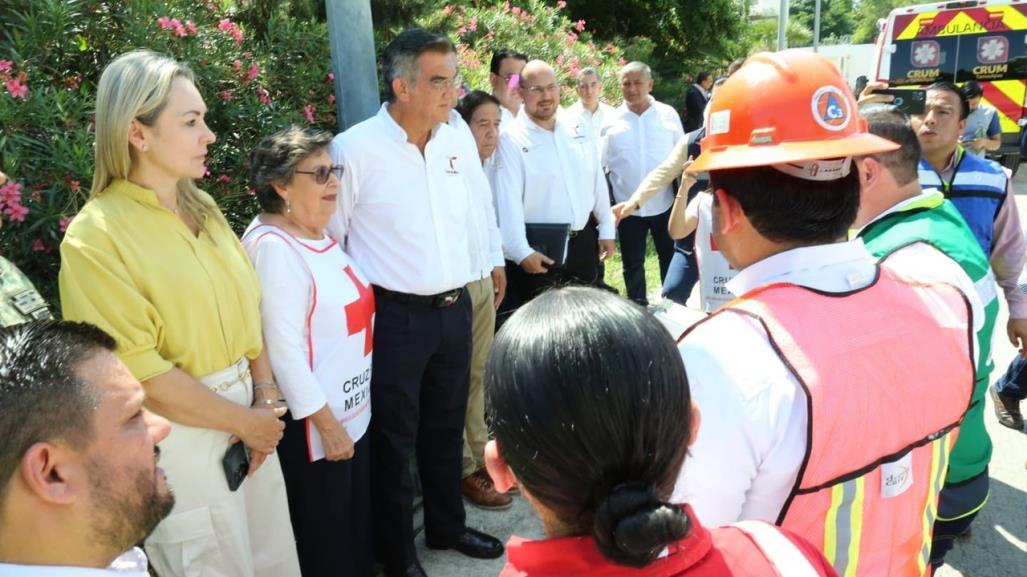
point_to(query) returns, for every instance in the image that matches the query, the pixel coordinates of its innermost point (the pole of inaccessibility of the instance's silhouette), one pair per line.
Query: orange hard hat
(784, 107)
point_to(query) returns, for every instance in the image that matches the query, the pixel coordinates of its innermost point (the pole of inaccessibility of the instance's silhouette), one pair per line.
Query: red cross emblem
(360, 312)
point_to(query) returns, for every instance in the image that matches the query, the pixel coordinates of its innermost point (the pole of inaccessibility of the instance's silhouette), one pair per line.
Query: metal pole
(351, 37)
(782, 26)
(816, 26)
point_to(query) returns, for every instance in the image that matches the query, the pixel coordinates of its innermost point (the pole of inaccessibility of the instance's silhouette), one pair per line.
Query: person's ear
(281, 189)
(870, 171)
(502, 477)
(137, 136)
(401, 89)
(51, 475)
(696, 421)
(731, 213)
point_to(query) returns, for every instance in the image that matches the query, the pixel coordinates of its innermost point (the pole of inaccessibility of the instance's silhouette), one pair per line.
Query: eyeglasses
(539, 90)
(441, 83)
(323, 172)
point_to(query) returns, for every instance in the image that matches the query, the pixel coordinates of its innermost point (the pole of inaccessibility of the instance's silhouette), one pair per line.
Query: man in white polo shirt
(635, 140)
(406, 206)
(547, 174)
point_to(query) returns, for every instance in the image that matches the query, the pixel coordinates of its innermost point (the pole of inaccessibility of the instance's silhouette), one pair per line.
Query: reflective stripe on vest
(781, 552)
(871, 474)
(978, 190)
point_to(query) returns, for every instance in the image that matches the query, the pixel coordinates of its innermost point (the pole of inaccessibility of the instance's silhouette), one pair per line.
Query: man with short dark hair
(817, 343)
(504, 70)
(982, 133)
(409, 196)
(895, 213)
(79, 481)
(696, 98)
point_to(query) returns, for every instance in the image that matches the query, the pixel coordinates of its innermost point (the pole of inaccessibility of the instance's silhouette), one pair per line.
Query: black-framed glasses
(323, 172)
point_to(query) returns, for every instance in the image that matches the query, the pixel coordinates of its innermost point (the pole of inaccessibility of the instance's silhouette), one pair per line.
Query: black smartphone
(236, 464)
(908, 100)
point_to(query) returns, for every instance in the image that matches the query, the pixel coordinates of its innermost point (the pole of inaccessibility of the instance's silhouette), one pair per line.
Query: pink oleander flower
(6, 65)
(237, 65)
(579, 25)
(516, 11)
(225, 25)
(473, 25)
(331, 99)
(164, 22)
(265, 98)
(224, 179)
(74, 186)
(10, 193)
(64, 223)
(191, 28)
(308, 113)
(226, 95)
(38, 246)
(178, 28)
(17, 213)
(447, 10)
(461, 31)
(561, 5)
(16, 89)
(231, 28)
(253, 72)
(331, 77)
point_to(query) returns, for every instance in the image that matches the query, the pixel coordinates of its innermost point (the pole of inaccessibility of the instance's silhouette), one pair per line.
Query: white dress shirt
(632, 145)
(546, 176)
(594, 121)
(408, 219)
(505, 117)
(752, 436)
(131, 563)
(486, 244)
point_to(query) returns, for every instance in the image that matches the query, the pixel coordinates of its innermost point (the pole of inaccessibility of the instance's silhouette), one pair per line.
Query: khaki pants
(483, 327)
(214, 532)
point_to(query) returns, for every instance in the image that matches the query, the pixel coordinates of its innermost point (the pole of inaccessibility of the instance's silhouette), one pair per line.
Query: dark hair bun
(632, 525)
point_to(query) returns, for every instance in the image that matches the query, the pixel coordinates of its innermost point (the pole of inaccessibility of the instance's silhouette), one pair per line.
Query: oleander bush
(260, 64)
(255, 79)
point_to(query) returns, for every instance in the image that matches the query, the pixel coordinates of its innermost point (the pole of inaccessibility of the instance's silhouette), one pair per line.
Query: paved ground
(998, 547)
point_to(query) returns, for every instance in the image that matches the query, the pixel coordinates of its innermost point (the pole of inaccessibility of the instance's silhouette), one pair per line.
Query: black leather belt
(441, 300)
(575, 233)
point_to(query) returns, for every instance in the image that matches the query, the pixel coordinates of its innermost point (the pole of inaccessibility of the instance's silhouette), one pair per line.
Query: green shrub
(51, 56)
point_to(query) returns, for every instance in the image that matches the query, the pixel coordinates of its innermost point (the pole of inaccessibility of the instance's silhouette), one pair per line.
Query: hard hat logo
(831, 108)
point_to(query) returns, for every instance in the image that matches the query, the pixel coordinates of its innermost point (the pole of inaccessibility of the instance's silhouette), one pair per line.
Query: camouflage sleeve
(19, 301)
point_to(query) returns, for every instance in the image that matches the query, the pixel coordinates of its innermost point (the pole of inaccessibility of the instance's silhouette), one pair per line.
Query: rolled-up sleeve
(96, 287)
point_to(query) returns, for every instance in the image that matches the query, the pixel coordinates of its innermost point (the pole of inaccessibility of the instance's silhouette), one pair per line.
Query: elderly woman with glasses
(317, 311)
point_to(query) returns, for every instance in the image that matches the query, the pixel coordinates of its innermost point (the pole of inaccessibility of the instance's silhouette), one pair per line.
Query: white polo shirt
(594, 121)
(407, 218)
(632, 145)
(546, 176)
(752, 437)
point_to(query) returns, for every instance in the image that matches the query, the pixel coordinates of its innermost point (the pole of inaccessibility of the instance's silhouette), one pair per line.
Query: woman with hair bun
(590, 407)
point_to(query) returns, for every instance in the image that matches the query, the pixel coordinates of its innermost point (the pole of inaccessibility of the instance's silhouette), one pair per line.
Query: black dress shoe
(414, 570)
(473, 544)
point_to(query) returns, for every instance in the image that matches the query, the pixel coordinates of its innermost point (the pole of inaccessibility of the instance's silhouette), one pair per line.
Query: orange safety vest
(886, 391)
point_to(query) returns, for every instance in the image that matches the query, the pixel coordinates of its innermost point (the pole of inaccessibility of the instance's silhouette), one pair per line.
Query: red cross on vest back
(360, 312)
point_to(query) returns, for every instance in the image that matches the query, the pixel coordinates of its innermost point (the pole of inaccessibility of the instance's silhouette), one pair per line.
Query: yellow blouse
(131, 267)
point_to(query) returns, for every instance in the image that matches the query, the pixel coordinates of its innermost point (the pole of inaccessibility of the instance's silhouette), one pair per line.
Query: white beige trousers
(214, 532)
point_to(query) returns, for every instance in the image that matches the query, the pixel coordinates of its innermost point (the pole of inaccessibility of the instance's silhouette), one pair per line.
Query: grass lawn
(615, 271)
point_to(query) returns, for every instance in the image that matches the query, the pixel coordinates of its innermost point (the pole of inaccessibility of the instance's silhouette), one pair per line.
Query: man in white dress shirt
(546, 174)
(409, 195)
(589, 108)
(504, 72)
(637, 138)
(79, 481)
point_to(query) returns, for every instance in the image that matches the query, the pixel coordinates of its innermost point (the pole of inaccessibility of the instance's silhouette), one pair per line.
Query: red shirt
(722, 552)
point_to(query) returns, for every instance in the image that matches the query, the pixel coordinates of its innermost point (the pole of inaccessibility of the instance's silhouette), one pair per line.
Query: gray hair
(400, 57)
(274, 159)
(588, 71)
(635, 67)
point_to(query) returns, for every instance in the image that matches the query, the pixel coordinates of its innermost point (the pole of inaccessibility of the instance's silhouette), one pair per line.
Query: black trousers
(419, 379)
(579, 269)
(329, 505)
(632, 233)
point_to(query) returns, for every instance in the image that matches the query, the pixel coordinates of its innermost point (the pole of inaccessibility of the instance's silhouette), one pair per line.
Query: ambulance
(982, 40)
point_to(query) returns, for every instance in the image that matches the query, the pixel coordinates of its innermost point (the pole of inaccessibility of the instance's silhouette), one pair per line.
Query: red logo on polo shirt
(360, 312)
(452, 165)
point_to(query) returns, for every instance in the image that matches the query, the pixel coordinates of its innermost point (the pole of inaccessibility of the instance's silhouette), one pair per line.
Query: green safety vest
(19, 300)
(937, 222)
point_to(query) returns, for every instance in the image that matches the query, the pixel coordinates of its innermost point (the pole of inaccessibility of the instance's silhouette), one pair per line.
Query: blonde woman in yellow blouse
(151, 260)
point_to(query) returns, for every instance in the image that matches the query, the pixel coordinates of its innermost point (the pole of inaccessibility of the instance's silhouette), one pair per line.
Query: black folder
(550, 240)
